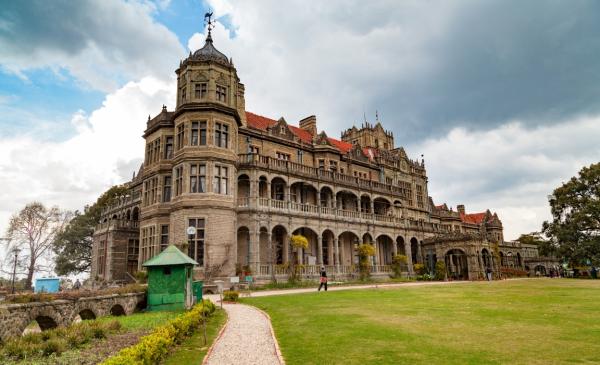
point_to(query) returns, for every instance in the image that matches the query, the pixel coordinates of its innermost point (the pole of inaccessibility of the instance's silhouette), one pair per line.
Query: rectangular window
(169, 147)
(333, 165)
(133, 249)
(221, 93)
(180, 133)
(148, 153)
(200, 91)
(194, 134)
(178, 173)
(321, 164)
(300, 155)
(156, 152)
(283, 156)
(164, 237)
(203, 90)
(167, 189)
(203, 133)
(196, 242)
(183, 95)
(221, 135)
(255, 150)
(197, 178)
(220, 180)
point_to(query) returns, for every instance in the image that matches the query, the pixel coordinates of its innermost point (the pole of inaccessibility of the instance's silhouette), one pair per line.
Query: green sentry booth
(170, 285)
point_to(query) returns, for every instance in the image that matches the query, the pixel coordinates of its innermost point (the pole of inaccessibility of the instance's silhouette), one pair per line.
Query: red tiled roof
(258, 121)
(344, 147)
(304, 136)
(476, 218)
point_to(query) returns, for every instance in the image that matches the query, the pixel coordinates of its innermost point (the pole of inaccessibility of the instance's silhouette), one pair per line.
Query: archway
(279, 238)
(86, 314)
(263, 188)
(307, 256)
(385, 249)
(456, 264)
(365, 204)
(135, 215)
(328, 251)
(347, 201)
(400, 245)
(303, 193)
(243, 190)
(243, 246)
(278, 189)
(327, 197)
(414, 250)
(487, 258)
(381, 206)
(117, 310)
(540, 270)
(348, 242)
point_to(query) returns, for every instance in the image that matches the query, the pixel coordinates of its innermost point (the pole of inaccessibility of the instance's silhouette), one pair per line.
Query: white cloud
(510, 169)
(105, 150)
(101, 43)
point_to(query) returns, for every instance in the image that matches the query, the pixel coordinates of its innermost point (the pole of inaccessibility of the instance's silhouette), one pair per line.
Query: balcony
(117, 224)
(273, 164)
(307, 271)
(293, 208)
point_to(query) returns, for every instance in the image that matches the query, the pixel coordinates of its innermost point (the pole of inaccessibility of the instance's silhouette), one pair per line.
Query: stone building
(247, 182)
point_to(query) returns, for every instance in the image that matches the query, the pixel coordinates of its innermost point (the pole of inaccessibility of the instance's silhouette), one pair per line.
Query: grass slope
(537, 321)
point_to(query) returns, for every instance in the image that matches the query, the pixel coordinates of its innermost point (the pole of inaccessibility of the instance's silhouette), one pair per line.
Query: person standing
(488, 272)
(323, 279)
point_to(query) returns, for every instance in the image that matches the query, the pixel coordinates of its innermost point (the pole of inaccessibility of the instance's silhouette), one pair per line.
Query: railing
(291, 207)
(315, 270)
(321, 174)
(118, 224)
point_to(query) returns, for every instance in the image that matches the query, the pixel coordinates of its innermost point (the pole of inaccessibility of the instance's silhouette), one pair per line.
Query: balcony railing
(267, 162)
(118, 224)
(290, 207)
(315, 270)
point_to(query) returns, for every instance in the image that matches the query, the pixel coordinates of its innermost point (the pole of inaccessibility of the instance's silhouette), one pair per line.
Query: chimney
(309, 124)
(460, 208)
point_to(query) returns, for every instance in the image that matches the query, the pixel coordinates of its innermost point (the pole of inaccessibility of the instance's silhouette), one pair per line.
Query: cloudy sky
(502, 97)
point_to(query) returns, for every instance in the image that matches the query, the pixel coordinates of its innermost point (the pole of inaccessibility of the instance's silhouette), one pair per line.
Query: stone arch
(414, 249)
(279, 238)
(243, 186)
(128, 214)
(243, 246)
(385, 249)
(328, 250)
(303, 192)
(457, 266)
(348, 241)
(400, 245)
(381, 205)
(367, 238)
(326, 193)
(397, 206)
(365, 203)
(135, 214)
(117, 310)
(541, 269)
(487, 258)
(312, 237)
(114, 217)
(86, 314)
(346, 200)
(519, 260)
(279, 188)
(263, 187)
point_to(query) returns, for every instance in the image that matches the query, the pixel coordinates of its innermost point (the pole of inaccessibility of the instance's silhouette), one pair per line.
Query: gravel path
(247, 339)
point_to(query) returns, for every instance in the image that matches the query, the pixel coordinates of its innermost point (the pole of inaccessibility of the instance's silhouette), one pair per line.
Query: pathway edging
(212, 346)
(276, 343)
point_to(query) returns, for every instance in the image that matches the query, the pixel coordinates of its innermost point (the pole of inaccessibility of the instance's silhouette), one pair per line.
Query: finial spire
(376, 115)
(210, 25)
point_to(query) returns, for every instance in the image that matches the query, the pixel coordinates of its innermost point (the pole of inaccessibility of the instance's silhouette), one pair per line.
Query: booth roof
(170, 256)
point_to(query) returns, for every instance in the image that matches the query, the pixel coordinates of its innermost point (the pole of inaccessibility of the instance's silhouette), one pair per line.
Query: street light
(16, 251)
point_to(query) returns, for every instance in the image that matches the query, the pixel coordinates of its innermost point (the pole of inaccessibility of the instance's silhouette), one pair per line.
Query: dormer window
(221, 93)
(282, 129)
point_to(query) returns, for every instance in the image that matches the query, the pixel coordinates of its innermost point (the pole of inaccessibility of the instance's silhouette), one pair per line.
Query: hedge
(154, 347)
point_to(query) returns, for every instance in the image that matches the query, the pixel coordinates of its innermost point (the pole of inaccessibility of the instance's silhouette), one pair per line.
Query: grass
(142, 320)
(193, 350)
(531, 321)
(315, 283)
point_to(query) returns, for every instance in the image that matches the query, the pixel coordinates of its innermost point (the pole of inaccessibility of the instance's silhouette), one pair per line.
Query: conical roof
(170, 256)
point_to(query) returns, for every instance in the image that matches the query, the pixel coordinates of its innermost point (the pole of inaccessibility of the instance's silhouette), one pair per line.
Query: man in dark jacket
(323, 279)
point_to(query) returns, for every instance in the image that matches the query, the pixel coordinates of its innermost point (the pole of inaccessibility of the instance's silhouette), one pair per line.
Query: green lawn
(534, 321)
(192, 350)
(142, 320)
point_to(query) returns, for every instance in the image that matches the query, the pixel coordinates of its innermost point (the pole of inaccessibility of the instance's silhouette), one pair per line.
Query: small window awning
(169, 257)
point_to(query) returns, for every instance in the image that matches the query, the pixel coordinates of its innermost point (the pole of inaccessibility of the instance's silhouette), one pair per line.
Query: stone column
(330, 252)
(408, 251)
(394, 248)
(320, 250)
(255, 264)
(336, 245)
(286, 249)
(419, 254)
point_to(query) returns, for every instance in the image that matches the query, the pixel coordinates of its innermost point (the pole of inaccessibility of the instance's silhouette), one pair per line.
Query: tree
(33, 230)
(545, 247)
(297, 241)
(73, 244)
(575, 228)
(365, 251)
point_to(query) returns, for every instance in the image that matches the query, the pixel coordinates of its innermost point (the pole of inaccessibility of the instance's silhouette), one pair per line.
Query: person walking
(488, 272)
(323, 279)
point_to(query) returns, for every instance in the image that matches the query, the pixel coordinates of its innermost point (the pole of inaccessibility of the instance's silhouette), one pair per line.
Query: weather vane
(208, 21)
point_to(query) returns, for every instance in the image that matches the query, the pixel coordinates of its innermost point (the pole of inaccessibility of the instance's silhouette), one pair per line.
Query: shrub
(153, 347)
(425, 277)
(419, 269)
(398, 264)
(54, 346)
(440, 270)
(230, 295)
(365, 251)
(513, 272)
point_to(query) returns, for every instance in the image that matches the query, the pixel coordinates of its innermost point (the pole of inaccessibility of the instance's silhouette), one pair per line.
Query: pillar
(330, 252)
(320, 250)
(286, 249)
(255, 256)
(408, 251)
(336, 245)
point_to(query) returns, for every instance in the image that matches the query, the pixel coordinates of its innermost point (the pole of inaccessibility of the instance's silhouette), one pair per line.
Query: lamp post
(16, 251)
